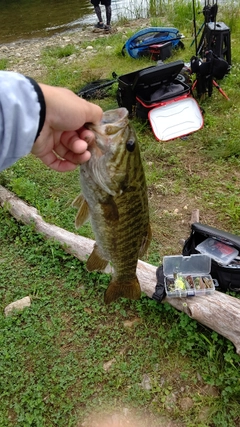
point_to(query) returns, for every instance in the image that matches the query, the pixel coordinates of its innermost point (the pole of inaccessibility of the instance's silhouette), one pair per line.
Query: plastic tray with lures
(186, 276)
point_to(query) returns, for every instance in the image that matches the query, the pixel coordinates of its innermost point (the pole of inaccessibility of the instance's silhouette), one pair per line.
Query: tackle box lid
(173, 119)
(197, 264)
(217, 250)
(158, 73)
(129, 78)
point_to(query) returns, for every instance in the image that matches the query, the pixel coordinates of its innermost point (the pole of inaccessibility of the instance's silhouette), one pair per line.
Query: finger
(62, 165)
(94, 113)
(77, 142)
(77, 159)
(86, 134)
(71, 146)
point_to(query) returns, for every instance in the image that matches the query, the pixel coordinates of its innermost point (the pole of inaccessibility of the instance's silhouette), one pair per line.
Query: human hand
(63, 141)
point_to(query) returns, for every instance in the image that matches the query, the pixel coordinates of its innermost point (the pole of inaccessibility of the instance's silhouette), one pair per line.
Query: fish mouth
(115, 117)
(111, 129)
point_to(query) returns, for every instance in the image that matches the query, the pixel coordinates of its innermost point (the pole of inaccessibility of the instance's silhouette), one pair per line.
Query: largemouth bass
(114, 196)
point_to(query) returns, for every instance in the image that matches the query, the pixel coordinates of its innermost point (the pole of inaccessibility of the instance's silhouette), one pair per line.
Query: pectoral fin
(126, 289)
(95, 261)
(83, 210)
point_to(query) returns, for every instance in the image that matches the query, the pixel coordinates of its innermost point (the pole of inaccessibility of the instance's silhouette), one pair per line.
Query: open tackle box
(157, 85)
(150, 85)
(188, 275)
(160, 94)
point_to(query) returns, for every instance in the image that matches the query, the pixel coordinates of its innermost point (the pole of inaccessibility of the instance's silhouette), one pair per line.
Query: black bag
(228, 276)
(212, 66)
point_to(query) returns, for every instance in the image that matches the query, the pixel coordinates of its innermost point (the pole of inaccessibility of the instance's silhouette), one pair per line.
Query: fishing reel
(210, 12)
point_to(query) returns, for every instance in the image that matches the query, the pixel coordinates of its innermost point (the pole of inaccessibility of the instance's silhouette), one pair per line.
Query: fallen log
(219, 312)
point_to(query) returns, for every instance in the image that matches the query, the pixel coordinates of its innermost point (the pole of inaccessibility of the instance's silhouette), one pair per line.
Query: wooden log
(219, 312)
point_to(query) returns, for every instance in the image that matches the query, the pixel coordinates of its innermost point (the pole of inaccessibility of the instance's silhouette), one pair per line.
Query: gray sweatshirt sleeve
(21, 105)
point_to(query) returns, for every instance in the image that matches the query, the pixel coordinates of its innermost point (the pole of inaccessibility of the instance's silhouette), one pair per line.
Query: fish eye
(130, 145)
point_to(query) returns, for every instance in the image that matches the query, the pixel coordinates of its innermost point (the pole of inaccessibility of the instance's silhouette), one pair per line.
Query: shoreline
(25, 56)
(47, 36)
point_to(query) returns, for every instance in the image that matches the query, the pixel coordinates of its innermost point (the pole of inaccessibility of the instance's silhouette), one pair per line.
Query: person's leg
(107, 4)
(108, 15)
(98, 12)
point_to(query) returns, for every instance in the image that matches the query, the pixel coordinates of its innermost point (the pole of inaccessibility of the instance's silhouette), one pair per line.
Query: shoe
(107, 28)
(100, 25)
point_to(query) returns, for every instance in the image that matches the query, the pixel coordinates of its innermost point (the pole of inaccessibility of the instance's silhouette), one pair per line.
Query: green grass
(59, 52)
(53, 354)
(3, 63)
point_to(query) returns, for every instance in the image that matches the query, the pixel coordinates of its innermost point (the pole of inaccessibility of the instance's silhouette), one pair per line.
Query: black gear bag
(228, 276)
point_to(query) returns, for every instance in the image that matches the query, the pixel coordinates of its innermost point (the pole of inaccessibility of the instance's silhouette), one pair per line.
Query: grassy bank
(68, 356)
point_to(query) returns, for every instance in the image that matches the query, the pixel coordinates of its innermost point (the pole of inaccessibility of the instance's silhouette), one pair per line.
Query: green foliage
(25, 189)
(59, 52)
(3, 63)
(60, 73)
(180, 13)
(230, 14)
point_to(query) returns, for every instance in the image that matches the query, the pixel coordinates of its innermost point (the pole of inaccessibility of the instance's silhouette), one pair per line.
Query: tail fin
(126, 289)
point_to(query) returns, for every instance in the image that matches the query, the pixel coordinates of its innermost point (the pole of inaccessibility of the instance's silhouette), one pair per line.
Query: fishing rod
(194, 26)
(163, 41)
(209, 12)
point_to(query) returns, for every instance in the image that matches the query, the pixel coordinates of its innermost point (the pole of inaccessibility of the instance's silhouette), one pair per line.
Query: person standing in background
(97, 8)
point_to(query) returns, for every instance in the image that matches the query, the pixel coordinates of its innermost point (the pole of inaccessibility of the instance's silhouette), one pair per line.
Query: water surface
(24, 19)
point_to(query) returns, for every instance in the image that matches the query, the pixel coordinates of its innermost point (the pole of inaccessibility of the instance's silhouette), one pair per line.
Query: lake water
(24, 19)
